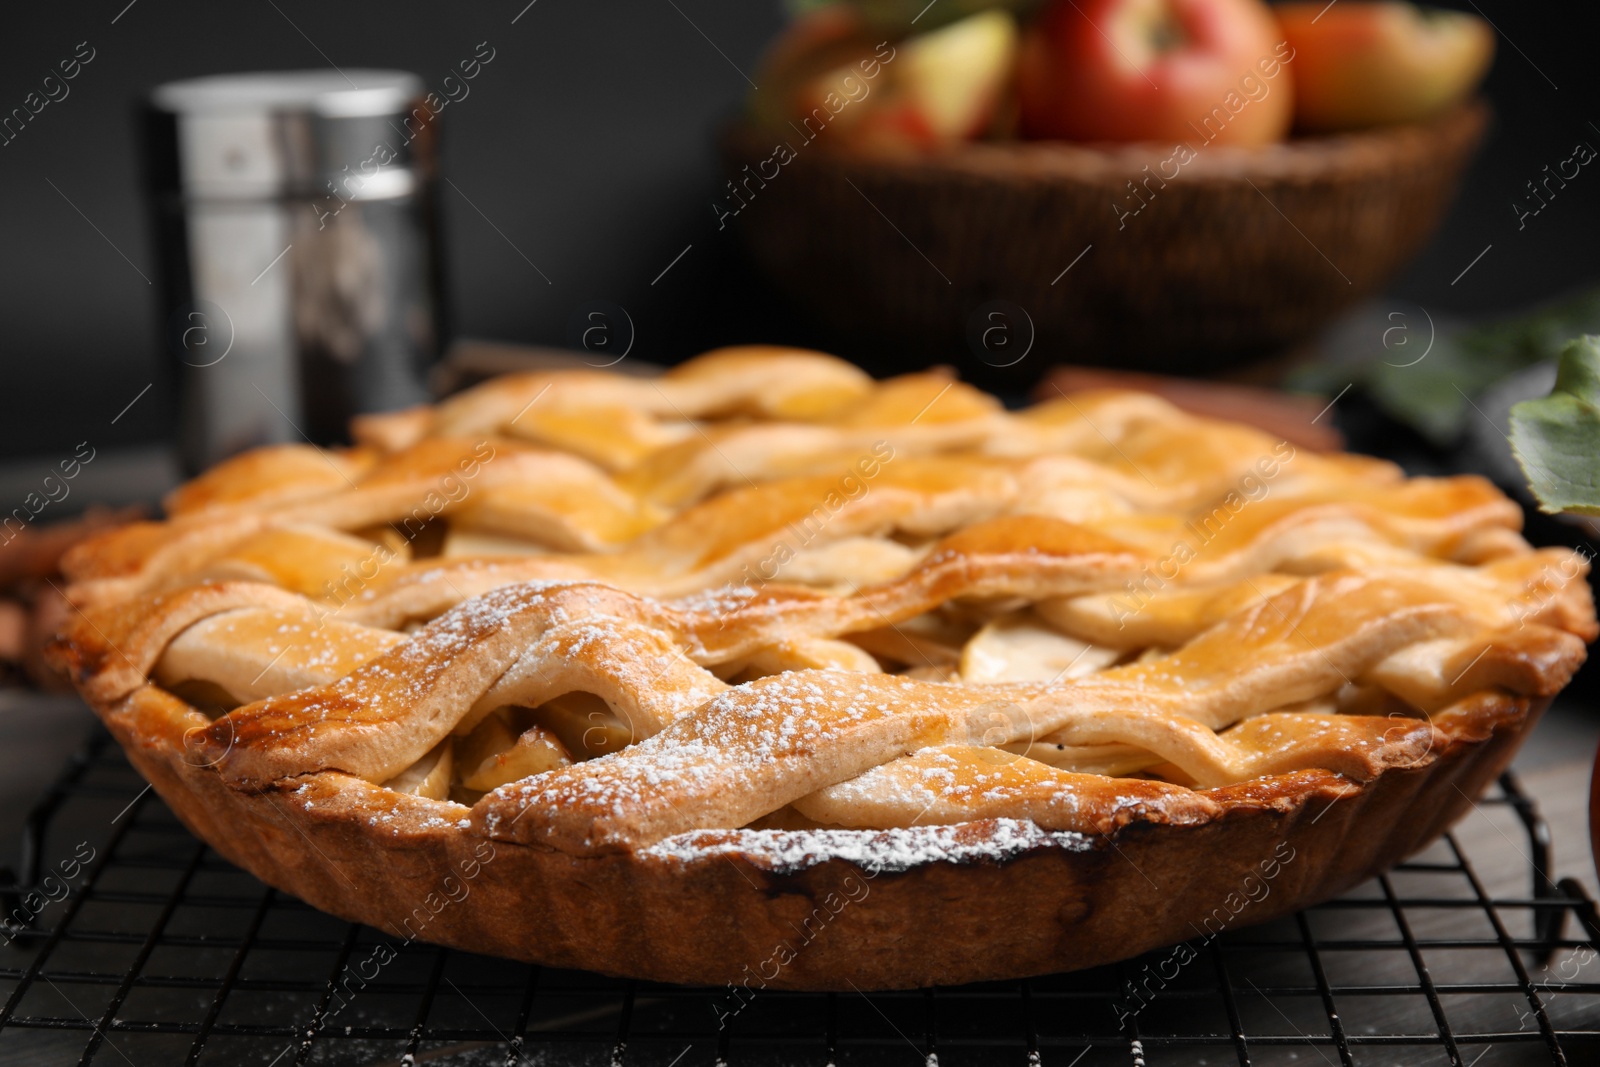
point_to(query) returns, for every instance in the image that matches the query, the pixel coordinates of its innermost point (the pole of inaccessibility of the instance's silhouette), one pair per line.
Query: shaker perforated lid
(358, 134)
(348, 94)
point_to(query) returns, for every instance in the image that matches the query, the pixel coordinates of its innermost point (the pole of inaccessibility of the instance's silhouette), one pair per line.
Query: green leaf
(1557, 438)
(1431, 396)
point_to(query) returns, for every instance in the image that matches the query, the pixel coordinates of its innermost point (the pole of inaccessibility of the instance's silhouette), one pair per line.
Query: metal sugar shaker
(296, 220)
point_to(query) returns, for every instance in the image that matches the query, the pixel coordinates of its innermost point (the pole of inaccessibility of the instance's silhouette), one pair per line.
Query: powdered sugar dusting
(900, 849)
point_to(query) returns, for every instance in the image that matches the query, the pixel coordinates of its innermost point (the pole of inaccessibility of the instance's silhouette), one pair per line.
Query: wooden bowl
(1241, 253)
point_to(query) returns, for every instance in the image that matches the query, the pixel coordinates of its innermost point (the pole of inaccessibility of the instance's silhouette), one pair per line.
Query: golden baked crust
(661, 678)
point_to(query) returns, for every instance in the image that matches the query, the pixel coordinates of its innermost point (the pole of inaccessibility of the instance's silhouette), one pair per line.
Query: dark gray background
(588, 143)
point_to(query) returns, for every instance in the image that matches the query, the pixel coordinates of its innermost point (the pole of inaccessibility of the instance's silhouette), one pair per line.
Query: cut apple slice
(953, 76)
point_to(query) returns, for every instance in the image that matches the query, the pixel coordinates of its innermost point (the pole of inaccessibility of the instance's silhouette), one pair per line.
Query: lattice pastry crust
(665, 663)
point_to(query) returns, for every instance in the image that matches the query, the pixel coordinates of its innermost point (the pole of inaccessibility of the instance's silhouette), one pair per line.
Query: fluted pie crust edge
(713, 912)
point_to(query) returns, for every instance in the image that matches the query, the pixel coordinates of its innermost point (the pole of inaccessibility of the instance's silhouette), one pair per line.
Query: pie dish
(765, 673)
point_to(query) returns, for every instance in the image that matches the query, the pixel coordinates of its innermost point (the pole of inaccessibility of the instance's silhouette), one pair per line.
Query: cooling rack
(126, 941)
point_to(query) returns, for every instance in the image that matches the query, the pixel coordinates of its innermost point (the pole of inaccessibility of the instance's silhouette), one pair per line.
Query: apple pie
(764, 672)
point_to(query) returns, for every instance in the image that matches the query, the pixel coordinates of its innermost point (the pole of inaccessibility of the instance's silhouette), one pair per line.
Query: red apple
(814, 44)
(1197, 71)
(1371, 64)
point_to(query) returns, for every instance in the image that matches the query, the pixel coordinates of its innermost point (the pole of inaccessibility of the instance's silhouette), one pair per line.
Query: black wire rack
(127, 941)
